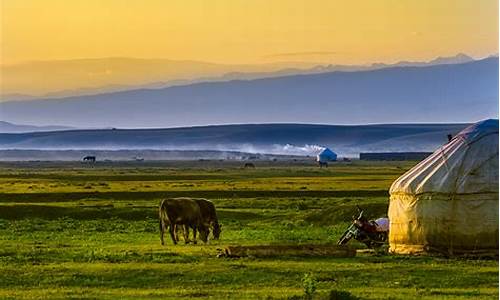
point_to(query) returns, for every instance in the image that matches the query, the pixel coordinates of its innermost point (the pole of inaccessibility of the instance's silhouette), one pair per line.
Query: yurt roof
(476, 131)
(467, 164)
(327, 152)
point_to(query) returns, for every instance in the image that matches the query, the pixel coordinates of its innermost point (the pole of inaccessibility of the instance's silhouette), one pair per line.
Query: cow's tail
(161, 216)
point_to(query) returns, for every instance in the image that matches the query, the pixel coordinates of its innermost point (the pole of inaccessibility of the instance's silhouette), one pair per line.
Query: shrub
(309, 284)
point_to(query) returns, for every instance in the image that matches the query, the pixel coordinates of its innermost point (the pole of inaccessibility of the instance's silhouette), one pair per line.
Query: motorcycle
(369, 232)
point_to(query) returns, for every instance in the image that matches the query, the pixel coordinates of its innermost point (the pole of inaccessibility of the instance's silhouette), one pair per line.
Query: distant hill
(440, 93)
(6, 127)
(68, 78)
(292, 139)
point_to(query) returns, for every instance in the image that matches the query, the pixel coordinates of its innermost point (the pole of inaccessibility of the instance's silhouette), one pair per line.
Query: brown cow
(185, 212)
(209, 215)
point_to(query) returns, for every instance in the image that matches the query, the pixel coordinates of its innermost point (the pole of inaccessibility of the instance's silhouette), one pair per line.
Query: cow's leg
(176, 229)
(177, 232)
(172, 233)
(186, 233)
(194, 234)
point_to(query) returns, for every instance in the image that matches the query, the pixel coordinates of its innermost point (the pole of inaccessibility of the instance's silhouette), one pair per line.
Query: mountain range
(445, 93)
(66, 78)
(63, 78)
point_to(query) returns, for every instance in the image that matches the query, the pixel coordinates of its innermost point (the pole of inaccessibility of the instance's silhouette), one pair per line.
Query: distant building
(326, 155)
(394, 156)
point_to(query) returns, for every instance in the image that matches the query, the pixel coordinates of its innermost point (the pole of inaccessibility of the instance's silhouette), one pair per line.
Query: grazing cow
(209, 215)
(89, 158)
(185, 212)
(249, 165)
(323, 164)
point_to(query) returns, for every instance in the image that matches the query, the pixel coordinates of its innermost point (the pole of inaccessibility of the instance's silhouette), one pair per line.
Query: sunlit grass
(56, 243)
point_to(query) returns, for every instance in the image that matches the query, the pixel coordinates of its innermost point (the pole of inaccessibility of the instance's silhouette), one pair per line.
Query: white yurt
(326, 155)
(448, 203)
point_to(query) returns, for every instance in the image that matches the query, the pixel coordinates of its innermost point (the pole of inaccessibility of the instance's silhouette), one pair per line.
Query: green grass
(77, 231)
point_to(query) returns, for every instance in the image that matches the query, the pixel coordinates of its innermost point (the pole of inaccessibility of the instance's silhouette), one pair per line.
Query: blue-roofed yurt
(326, 155)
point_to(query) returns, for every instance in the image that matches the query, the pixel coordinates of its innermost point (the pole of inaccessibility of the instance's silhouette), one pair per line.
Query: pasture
(73, 230)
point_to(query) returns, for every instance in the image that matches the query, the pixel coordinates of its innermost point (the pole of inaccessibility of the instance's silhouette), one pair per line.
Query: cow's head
(217, 230)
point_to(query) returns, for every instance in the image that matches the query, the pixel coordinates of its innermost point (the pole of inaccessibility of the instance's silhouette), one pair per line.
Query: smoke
(299, 150)
(277, 149)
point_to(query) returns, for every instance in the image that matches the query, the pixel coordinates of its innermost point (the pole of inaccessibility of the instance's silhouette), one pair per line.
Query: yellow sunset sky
(248, 32)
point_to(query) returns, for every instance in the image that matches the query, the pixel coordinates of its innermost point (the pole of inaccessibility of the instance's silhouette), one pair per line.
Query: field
(72, 230)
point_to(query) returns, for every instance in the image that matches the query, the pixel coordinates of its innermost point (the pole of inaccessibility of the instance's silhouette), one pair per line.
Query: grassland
(69, 230)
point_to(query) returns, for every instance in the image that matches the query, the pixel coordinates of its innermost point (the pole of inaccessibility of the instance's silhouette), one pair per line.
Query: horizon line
(30, 61)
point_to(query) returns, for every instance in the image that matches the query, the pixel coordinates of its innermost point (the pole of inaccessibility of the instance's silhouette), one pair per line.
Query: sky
(248, 32)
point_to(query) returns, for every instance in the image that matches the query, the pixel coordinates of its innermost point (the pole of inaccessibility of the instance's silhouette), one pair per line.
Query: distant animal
(322, 164)
(249, 165)
(184, 212)
(89, 158)
(209, 215)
